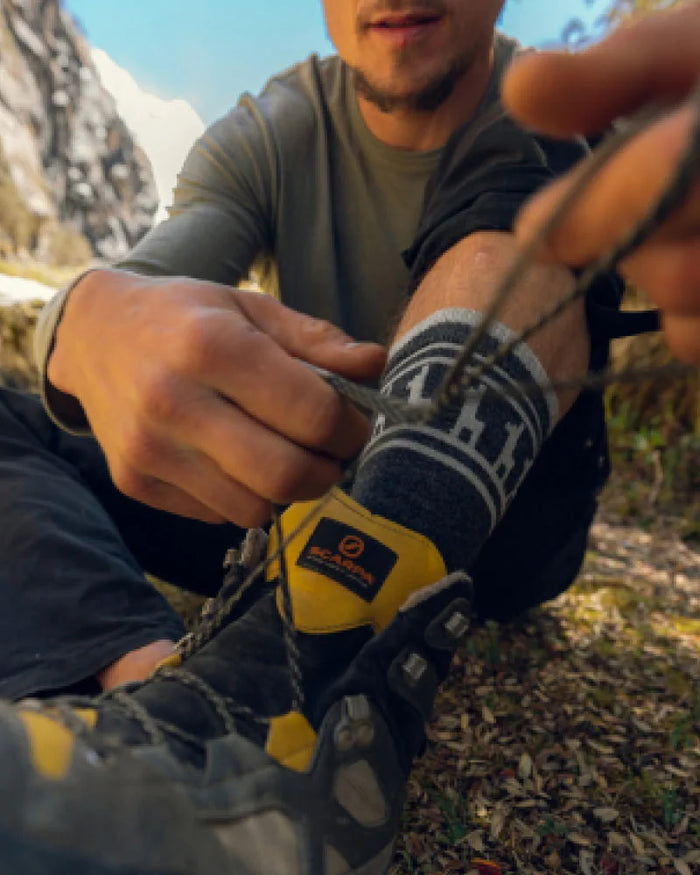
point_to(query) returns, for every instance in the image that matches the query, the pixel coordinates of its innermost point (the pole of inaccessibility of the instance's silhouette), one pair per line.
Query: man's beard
(424, 99)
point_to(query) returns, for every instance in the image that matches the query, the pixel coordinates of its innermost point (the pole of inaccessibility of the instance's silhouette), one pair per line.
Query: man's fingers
(265, 462)
(259, 373)
(652, 59)
(218, 402)
(619, 196)
(254, 468)
(670, 273)
(160, 474)
(162, 496)
(218, 454)
(313, 340)
(682, 334)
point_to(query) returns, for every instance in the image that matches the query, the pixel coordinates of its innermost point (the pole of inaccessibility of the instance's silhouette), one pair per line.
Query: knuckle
(284, 481)
(128, 480)
(685, 276)
(138, 450)
(255, 514)
(299, 479)
(322, 418)
(282, 484)
(246, 347)
(159, 400)
(144, 456)
(315, 330)
(194, 344)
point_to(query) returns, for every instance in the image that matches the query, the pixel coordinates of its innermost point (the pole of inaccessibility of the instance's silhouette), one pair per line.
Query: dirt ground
(569, 742)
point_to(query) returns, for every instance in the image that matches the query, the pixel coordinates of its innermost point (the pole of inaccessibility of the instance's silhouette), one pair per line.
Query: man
(282, 742)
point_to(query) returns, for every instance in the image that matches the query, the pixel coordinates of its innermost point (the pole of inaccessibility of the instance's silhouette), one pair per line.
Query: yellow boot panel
(350, 568)
(291, 741)
(51, 744)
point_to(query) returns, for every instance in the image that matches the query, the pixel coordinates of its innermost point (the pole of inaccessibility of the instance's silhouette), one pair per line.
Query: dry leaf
(637, 844)
(606, 815)
(498, 821)
(525, 766)
(553, 861)
(585, 862)
(475, 841)
(576, 763)
(487, 715)
(601, 748)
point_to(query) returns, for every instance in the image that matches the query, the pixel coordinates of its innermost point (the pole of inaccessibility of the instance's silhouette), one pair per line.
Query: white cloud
(165, 129)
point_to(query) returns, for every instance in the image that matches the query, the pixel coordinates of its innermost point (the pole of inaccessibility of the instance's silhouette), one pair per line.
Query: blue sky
(209, 51)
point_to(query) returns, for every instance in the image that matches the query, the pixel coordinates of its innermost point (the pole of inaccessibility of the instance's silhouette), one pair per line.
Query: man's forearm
(467, 276)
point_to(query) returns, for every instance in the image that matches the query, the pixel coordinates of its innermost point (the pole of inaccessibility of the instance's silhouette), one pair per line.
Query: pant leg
(72, 554)
(538, 547)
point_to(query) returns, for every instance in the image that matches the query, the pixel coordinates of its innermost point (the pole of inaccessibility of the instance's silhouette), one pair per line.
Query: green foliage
(672, 808)
(485, 643)
(654, 432)
(554, 833)
(455, 814)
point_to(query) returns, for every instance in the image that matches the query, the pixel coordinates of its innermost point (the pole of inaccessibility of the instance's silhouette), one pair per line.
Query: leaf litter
(569, 741)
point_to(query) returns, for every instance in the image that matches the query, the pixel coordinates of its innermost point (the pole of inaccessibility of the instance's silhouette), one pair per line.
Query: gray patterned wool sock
(452, 478)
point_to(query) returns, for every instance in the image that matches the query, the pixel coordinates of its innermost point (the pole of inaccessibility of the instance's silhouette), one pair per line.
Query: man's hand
(655, 59)
(199, 395)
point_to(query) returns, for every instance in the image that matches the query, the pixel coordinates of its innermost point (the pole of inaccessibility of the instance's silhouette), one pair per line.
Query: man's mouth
(397, 20)
(402, 27)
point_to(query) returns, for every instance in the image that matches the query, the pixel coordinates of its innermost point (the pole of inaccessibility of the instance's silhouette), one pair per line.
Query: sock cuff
(452, 476)
(453, 325)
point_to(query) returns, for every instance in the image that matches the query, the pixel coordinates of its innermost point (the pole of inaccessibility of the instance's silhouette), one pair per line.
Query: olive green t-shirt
(293, 186)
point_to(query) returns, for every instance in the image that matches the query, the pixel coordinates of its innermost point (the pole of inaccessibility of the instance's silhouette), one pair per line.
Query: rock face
(69, 158)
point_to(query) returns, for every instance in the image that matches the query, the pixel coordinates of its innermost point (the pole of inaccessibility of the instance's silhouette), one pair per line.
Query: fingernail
(353, 343)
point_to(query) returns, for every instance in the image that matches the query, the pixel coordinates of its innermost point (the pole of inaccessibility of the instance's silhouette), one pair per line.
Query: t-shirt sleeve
(223, 205)
(221, 218)
(488, 169)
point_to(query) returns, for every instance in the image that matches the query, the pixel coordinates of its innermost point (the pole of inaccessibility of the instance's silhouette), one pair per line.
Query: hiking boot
(274, 747)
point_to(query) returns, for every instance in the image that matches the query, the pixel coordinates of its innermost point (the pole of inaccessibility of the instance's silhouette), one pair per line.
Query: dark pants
(73, 549)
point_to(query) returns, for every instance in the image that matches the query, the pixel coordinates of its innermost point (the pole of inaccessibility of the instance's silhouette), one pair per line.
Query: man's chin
(422, 97)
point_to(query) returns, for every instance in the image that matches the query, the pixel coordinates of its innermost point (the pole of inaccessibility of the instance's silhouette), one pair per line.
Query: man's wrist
(63, 407)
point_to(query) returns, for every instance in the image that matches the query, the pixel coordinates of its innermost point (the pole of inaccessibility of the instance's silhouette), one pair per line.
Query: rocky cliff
(70, 171)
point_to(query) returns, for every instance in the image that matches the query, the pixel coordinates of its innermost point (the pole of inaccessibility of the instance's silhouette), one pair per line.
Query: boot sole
(19, 858)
